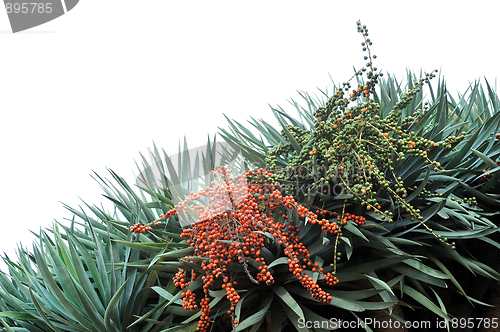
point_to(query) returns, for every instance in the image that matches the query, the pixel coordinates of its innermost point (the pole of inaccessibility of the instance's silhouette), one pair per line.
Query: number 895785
(29, 7)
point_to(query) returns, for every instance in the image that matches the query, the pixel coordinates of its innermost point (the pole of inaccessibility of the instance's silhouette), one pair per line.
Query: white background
(97, 86)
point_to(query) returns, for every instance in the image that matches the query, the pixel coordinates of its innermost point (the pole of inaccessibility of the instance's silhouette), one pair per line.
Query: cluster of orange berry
(138, 228)
(484, 177)
(242, 213)
(181, 281)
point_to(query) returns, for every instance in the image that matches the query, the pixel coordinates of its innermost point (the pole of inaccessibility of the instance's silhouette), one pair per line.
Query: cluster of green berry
(298, 134)
(427, 193)
(354, 147)
(469, 200)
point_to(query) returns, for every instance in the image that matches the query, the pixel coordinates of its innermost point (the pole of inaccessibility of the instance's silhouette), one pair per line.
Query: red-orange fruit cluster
(242, 213)
(138, 228)
(180, 280)
(484, 177)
